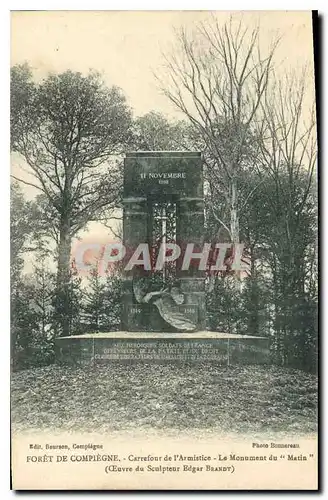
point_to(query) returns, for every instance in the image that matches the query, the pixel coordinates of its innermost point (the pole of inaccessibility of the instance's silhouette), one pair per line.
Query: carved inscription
(163, 351)
(163, 177)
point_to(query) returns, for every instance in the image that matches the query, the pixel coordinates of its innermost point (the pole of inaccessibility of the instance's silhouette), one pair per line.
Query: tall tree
(287, 139)
(217, 79)
(69, 132)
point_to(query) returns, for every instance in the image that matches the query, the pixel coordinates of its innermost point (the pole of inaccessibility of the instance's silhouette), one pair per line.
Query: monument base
(129, 347)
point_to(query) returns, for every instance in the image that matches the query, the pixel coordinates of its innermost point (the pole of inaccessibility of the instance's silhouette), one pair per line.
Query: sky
(127, 48)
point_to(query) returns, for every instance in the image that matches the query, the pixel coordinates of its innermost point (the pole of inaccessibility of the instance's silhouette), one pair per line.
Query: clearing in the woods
(199, 397)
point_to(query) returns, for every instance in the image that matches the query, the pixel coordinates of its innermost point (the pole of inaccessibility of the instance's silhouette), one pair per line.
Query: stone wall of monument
(162, 350)
(152, 177)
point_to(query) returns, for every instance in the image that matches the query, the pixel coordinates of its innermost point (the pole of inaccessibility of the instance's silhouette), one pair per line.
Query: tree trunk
(234, 225)
(253, 313)
(63, 277)
(234, 219)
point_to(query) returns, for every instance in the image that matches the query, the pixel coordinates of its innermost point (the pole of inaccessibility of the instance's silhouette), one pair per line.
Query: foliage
(68, 132)
(32, 319)
(154, 132)
(21, 101)
(102, 302)
(223, 306)
(21, 226)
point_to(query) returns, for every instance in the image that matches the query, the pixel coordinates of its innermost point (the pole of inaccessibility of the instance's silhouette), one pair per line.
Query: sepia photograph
(164, 250)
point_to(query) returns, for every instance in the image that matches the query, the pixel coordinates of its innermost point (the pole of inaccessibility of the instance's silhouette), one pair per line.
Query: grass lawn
(154, 397)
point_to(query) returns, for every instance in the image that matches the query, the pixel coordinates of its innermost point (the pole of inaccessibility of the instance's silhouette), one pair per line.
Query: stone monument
(163, 290)
(163, 204)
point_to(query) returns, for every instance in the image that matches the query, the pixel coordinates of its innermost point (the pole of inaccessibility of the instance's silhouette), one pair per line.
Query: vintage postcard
(164, 251)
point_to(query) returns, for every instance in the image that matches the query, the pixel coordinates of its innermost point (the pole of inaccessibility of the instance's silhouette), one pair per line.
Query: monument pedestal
(130, 347)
